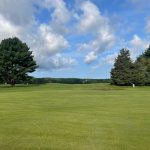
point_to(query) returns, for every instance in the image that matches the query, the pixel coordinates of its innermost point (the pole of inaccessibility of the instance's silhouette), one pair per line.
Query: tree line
(17, 61)
(128, 72)
(67, 80)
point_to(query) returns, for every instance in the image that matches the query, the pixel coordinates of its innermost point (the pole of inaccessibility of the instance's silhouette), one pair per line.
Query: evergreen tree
(144, 59)
(121, 74)
(16, 61)
(138, 73)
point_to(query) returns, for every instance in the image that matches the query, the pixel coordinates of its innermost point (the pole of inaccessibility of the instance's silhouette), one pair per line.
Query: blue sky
(77, 38)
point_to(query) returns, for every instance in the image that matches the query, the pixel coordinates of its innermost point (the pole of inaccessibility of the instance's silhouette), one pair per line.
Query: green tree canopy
(144, 59)
(138, 73)
(121, 74)
(16, 61)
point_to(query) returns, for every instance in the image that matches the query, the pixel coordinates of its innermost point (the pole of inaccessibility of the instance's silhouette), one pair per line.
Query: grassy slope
(74, 117)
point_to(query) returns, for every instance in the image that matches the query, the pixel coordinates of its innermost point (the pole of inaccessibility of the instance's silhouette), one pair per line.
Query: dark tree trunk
(12, 83)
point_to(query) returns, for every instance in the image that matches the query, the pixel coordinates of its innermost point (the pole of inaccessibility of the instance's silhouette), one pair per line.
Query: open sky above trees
(77, 38)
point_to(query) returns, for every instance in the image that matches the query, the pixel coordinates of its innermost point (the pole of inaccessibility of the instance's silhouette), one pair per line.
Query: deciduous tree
(16, 61)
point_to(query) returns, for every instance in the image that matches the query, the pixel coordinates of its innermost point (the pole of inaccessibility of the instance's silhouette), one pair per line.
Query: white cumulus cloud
(90, 57)
(110, 59)
(20, 12)
(46, 40)
(7, 29)
(60, 15)
(92, 22)
(137, 45)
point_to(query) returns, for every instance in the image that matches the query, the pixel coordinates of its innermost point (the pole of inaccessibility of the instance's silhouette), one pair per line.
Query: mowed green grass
(74, 117)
